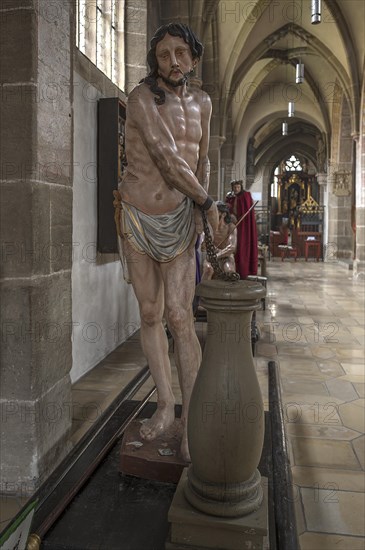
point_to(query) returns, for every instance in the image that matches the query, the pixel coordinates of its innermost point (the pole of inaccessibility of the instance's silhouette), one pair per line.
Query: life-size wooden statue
(162, 194)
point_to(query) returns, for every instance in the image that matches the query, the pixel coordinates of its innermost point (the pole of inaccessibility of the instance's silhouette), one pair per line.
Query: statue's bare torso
(173, 132)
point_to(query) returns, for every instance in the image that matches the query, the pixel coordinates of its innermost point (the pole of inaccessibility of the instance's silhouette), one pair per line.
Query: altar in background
(296, 213)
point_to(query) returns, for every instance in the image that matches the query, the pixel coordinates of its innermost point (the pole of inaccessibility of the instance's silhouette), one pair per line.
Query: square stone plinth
(194, 530)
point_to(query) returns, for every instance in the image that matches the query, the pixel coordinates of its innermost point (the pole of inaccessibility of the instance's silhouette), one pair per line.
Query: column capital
(322, 179)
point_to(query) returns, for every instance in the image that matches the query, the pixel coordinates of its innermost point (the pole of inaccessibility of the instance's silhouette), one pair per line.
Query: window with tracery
(292, 164)
(100, 36)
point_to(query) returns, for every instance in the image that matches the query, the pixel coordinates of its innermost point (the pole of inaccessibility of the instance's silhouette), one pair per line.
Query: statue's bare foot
(184, 448)
(158, 423)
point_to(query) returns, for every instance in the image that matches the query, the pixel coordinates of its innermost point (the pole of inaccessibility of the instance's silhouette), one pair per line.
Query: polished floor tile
(342, 389)
(337, 433)
(325, 430)
(341, 480)
(324, 453)
(317, 541)
(334, 511)
(352, 415)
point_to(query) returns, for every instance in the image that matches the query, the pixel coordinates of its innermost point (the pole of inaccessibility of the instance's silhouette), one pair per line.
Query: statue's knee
(149, 315)
(177, 319)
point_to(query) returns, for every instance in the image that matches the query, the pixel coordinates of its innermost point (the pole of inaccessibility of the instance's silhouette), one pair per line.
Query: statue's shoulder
(139, 92)
(201, 97)
(139, 99)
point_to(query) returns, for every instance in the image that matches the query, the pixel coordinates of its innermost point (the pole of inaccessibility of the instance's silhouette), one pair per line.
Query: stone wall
(104, 308)
(135, 42)
(36, 230)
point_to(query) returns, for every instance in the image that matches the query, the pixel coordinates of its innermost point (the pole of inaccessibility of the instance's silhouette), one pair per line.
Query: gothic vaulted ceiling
(258, 44)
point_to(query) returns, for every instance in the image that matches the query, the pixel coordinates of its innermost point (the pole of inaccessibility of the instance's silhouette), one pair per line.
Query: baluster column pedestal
(221, 500)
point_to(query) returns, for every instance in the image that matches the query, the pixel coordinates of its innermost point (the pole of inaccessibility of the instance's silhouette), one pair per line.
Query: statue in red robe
(240, 202)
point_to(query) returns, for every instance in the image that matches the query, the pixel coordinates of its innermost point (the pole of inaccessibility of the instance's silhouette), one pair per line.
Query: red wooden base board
(146, 461)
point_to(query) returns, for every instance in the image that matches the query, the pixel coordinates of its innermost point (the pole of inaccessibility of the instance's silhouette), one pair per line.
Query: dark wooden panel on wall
(111, 162)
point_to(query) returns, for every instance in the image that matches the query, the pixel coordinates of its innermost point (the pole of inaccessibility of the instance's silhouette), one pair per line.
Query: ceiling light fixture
(291, 109)
(284, 129)
(316, 12)
(299, 73)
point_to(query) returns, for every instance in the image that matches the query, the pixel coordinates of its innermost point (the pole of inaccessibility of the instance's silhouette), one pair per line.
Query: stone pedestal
(225, 430)
(194, 530)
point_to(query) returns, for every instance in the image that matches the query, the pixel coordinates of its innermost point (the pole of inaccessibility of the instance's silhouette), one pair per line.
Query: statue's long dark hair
(223, 207)
(174, 29)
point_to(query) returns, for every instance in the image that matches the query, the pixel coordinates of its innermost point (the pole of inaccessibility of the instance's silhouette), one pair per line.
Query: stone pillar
(136, 46)
(208, 69)
(330, 241)
(215, 167)
(173, 11)
(323, 200)
(322, 183)
(359, 262)
(340, 190)
(340, 235)
(36, 229)
(249, 181)
(250, 164)
(225, 505)
(230, 169)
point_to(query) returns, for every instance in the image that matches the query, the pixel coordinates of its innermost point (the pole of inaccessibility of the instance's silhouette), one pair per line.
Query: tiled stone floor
(313, 327)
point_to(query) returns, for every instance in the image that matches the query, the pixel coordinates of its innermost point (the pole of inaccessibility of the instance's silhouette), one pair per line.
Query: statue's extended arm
(231, 246)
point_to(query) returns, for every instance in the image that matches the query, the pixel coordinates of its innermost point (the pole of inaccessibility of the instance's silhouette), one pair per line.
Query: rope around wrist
(207, 203)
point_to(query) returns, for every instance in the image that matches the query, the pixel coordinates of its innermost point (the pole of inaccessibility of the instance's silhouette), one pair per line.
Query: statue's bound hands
(213, 217)
(198, 220)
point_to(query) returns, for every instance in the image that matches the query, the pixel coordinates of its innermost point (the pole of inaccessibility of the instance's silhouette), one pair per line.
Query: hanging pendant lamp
(291, 109)
(316, 12)
(284, 129)
(299, 73)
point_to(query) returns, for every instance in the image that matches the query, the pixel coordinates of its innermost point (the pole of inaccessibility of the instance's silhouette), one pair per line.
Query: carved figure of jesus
(162, 193)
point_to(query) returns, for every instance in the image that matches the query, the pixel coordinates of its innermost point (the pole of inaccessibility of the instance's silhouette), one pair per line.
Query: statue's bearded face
(174, 59)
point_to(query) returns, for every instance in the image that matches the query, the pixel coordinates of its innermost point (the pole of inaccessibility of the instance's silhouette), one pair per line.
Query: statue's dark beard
(177, 83)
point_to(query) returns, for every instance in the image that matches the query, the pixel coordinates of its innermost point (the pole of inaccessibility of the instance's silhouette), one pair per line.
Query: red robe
(247, 247)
